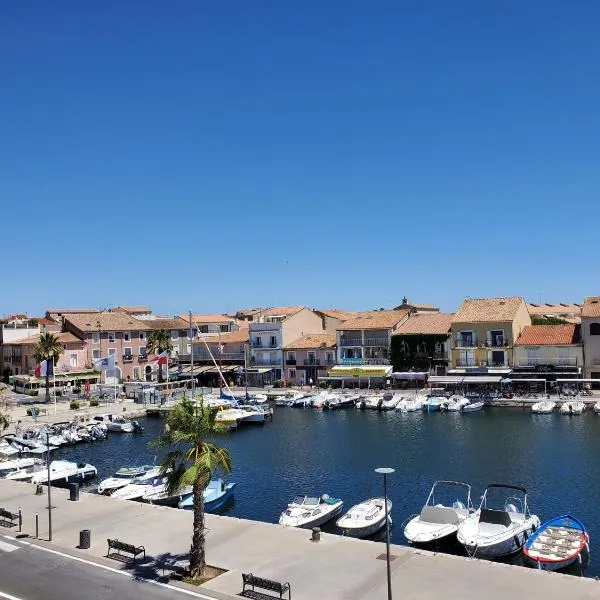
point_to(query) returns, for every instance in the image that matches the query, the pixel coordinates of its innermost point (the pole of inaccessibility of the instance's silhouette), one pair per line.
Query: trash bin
(85, 539)
(74, 492)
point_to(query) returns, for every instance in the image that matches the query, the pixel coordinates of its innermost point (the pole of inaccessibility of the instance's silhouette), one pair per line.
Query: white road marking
(6, 547)
(106, 568)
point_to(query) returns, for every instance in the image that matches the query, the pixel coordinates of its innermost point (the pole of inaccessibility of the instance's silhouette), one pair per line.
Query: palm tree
(192, 462)
(3, 421)
(159, 340)
(48, 348)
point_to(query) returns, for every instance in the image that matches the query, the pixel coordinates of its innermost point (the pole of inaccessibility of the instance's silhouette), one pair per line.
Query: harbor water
(304, 451)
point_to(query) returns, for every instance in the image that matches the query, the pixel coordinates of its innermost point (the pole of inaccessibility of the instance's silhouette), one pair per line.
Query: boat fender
(533, 528)
(525, 536)
(516, 541)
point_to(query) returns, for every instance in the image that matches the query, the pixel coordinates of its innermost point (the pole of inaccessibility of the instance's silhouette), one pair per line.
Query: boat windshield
(298, 500)
(311, 501)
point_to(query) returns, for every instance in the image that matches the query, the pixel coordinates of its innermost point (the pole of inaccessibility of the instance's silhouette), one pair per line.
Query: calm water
(557, 458)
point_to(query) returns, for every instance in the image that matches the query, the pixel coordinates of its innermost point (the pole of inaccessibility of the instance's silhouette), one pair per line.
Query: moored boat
(216, 493)
(544, 407)
(597, 407)
(433, 403)
(63, 472)
(557, 543)
(121, 478)
(473, 407)
(572, 407)
(366, 518)
(310, 511)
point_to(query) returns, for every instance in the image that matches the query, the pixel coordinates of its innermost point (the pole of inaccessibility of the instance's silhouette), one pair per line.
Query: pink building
(309, 357)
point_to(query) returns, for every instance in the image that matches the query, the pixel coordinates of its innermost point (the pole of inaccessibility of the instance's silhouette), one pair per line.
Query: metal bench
(8, 519)
(122, 546)
(264, 584)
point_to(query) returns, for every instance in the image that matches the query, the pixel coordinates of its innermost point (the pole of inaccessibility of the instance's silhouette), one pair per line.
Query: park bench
(122, 546)
(8, 519)
(264, 584)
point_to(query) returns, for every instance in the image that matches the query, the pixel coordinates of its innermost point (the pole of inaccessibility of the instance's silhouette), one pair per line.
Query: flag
(161, 358)
(105, 363)
(41, 369)
(87, 386)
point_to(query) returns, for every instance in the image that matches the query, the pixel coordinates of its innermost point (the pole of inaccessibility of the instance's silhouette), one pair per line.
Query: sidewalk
(335, 567)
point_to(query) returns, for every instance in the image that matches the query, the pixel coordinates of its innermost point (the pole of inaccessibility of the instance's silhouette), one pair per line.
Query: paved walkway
(335, 567)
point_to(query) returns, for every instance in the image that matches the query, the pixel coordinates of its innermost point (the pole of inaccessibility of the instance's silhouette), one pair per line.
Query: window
(96, 337)
(594, 328)
(95, 354)
(112, 352)
(142, 350)
(330, 358)
(273, 341)
(291, 356)
(224, 328)
(203, 328)
(142, 336)
(136, 372)
(174, 335)
(127, 352)
(73, 360)
(127, 336)
(292, 373)
(111, 336)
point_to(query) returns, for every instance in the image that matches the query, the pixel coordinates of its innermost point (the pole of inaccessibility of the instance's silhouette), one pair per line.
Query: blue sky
(212, 155)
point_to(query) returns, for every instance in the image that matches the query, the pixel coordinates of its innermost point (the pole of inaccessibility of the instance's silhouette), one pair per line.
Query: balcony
(364, 361)
(265, 362)
(465, 341)
(481, 363)
(378, 341)
(261, 345)
(290, 361)
(312, 362)
(496, 342)
(565, 361)
(255, 327)
(428, 355)
(142, 358)
(127, 358)
(351, 341)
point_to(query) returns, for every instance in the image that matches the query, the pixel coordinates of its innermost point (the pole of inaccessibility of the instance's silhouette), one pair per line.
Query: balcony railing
(312, 361)
(261, 345)
(465, 341)
(565, 361)
(496, 342)
(429, 355)
(266, 362)
(377, 341)
(142, 357)
(481, 363)
(290, 361)
(365, 361)
(127, 358)
(351, 341)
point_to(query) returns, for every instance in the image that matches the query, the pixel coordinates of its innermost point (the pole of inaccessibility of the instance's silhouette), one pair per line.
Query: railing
(496, 342)
(351, 341)
(265, 361)
(481, 363)
(377, 341)
(566, 361)
(365, 361)
(127, 358)
(290, 361)
(264, 327)
(142, 357)
(428, 355)
(465, 341)
(312, 361)
(261, 345)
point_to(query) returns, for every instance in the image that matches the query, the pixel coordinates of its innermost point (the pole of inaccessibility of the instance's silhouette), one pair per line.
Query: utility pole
(192, 357)
(49, 486)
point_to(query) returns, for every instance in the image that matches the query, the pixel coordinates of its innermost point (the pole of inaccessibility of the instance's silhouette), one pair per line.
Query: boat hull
(323, 518)
(363, 532)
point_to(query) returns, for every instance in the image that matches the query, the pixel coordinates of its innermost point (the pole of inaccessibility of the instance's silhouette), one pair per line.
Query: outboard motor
(137, 428)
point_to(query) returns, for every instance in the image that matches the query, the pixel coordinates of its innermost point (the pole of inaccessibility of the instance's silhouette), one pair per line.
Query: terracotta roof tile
(549, 335)
(336, 313)
(231, 337)
(280, 311)
(591, 307)
(313, 341)
(165, 323)
(134, 309)
(205, 319)
(109, 321)
(488, 309)
(376, 319)
(426, 324)
(64, 337)
(554, 309)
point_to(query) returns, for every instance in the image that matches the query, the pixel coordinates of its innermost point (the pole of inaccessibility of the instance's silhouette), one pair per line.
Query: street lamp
(385, 471)
(49, 486)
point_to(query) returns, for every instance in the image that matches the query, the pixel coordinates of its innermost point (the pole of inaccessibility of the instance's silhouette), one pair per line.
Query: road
(28, 572)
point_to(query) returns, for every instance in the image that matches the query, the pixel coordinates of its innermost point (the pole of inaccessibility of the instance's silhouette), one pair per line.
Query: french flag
(161, 358)
(42, 369)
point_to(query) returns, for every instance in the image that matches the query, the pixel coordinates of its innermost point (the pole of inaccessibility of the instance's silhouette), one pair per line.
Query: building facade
(309, 357)
(590, 333)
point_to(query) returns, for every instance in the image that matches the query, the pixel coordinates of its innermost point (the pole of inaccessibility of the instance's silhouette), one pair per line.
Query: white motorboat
(366, 518)
(9, 466)
(7, 448)
(390, 401)
(25, 473)
(121, 478)
(433, 403)
(544, 407)
(596, 410)
(490, 533)
(115, 423)
(138, 486)
(338, 401)
(322, 399)
(455, 404)
(63, 472)
(447, 506)
(310, 511)
(473, 407)
(410, 404)
(372, 402)
(572, 407)
(252, 413)
(158, 493)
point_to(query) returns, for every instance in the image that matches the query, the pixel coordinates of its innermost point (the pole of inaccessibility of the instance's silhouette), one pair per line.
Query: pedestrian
(310, 382)
(18, 429)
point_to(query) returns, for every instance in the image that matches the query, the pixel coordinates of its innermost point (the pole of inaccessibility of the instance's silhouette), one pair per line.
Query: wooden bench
(264, 584)
(8, 519)
(122, 546)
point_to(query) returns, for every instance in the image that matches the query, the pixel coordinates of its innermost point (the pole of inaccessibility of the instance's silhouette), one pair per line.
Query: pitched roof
(488, 309)
(549, 335)
(426, 324)
(591, 307)
(376, 319)
(134, 309)
(336, 313)
(231, 337)
(554, 309)
(313, 341)
(64, 337)
(198, 319)
(107, 321)
(280, 311)
(165, 323)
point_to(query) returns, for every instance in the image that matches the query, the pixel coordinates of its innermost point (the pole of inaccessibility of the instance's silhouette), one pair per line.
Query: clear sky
(213, 155)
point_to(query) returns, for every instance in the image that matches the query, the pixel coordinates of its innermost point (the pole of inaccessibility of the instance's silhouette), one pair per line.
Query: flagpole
(54, 381)
(192, 358)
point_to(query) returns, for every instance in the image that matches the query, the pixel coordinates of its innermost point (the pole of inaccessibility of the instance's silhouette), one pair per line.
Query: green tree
(49, 349)
(159, 340)
(192, 461)
(548, 321)
(4, 422)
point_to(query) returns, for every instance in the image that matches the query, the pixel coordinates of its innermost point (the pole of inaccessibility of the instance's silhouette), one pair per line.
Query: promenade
(333, 568)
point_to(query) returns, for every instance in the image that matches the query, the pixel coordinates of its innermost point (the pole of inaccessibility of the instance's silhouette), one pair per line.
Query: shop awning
(360, 371)
(410, 375)
(482, 379)
(445, 379)
(481, 372)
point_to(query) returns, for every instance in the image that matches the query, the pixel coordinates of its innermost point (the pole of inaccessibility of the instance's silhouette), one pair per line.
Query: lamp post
(385, 471)
(49, 486)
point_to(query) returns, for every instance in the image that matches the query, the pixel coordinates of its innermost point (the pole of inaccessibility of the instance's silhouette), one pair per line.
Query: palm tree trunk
(198, 550)
(47, 386)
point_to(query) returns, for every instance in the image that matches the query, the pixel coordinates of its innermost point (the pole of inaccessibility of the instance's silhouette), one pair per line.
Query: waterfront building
(483, 333)
(548, 353)
(212, 324)
(309, 357)
(422, 343)
(139, 312)
(566, 312)
(415, 307)
(590, 330)
(270, 331)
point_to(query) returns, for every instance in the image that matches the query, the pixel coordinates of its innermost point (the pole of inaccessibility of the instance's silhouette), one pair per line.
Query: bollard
(85, 539)
(316, 534)
(20, 520)
(74, 492)
(37, 525)
(39, 490)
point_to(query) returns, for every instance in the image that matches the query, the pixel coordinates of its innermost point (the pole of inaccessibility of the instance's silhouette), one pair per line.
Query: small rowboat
(557, 543)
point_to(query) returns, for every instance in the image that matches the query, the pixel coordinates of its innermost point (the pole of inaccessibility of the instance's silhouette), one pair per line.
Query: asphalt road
(29, 573)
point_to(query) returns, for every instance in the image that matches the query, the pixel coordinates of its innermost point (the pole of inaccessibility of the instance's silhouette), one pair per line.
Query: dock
(334, 567)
